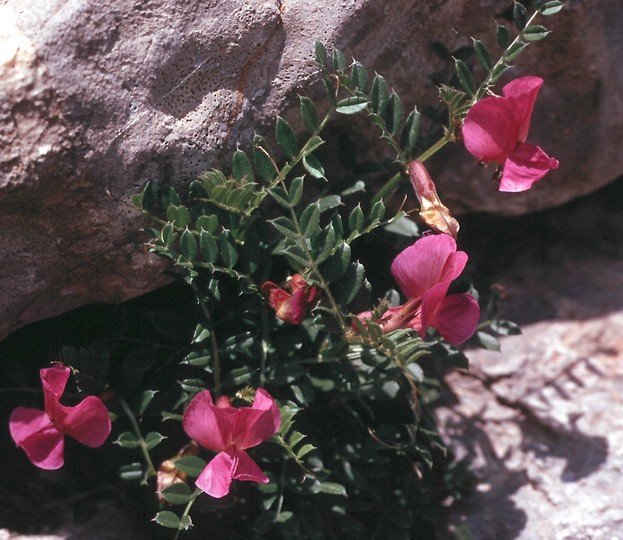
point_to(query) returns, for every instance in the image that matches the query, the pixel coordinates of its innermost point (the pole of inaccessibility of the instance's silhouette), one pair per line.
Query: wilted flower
(424, 272)
(41, 433)
(495, 131)
(434, 213)
(290, 305)
(230, 431)
(168, 473)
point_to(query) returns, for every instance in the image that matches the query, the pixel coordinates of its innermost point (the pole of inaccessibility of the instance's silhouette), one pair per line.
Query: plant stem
(187, 509)
(395, 180)
(151, 470)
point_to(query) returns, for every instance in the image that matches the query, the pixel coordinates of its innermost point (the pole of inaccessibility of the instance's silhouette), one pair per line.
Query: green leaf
(352, 104)
(337, 264)
(304, 450)
(148, 198)
(514, 51)
(313, 166)
(186, 522)
(131, 471)
(328, 202)
(127, 440)
(177, 493)
(394, 113)
(197, 358)
(229, 254)
(285, 227)
(377, 213)
(144, 400)
(359, 76)
(498, 71)
(487, 341)
(207, 223)
(320, 53)
(188, 245)
(279, 194)
(519, 15)
(153, 439)
(482, 53)
(330, 488)
(505, 328)
(535, 33)
(167, 519)
(192, 386)
(178, 215)
(339, 62)
(356, 219)
(263, 159)
(465, 77)
(296, 190)
(403, 226)
(201, 333)
(309, 114)
(411, 131)
(208, 247)
(549, 8)
(503, 36)
(192, 465)
(322, 245)
(310, 220)
(346, 288)
(286, 138)
(169, 196)
(241, 167)
(379, 95)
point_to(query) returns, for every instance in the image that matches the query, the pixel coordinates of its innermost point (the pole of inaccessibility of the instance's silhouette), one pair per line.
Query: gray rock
(540, 421)
(100, 97)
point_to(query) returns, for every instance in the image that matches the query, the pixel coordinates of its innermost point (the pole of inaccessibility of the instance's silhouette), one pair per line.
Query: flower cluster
(41, 433)
(495, 131)
(424, 272)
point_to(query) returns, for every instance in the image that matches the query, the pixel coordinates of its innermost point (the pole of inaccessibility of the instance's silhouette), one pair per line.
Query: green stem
(151, 470)
(216, 358)
(395, 180)
(482, 89)
(189, 505)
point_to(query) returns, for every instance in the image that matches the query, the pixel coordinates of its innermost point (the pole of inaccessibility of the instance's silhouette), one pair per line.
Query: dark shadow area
(540, 249)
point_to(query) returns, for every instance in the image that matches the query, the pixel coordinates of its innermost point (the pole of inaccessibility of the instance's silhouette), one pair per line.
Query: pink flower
(230, 431)
(41, 433)
(290, 307)
(495, 131)
(424, 272)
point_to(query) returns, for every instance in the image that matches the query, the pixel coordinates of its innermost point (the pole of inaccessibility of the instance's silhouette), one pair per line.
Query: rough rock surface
(97, 98)
(541, 421)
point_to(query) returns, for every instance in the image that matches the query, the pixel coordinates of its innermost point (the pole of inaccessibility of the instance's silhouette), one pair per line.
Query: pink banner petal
(522, 93)
(45, 448)
(212, 427)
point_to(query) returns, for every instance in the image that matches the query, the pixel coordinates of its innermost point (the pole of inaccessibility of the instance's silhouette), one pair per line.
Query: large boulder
(99, 97)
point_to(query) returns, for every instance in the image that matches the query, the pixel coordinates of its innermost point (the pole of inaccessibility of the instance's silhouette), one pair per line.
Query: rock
(539, 421)
(98, 98)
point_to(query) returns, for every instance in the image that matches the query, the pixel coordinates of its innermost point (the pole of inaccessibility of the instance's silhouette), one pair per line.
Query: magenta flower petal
(429, 260)
(262, 426)
(431, 301)
(524, 90)
(456, 319)
(216, 478)
(25, 422)
(488, 133)
(246, 469)
(54, 380)
(88, 422)
(527, 164)
(212, 427)
(33, 431)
